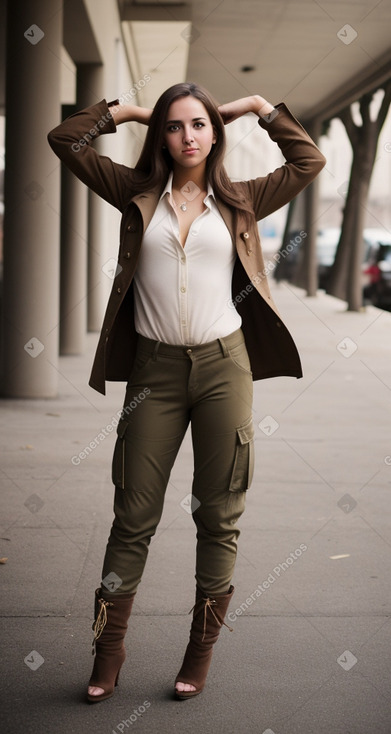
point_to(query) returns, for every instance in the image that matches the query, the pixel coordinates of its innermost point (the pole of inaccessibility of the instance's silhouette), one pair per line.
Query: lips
(190, 150)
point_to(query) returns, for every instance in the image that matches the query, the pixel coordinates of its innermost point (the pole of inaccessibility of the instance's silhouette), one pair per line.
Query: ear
(214, 135)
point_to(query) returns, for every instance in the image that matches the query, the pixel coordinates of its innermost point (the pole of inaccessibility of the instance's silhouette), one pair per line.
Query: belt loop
(155, 351)
(223, 347)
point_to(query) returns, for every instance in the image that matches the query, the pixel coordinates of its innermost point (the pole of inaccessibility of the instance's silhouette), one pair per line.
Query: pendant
(183, 207)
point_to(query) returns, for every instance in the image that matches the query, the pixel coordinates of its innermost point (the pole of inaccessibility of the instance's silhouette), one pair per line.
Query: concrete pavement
(309, 651)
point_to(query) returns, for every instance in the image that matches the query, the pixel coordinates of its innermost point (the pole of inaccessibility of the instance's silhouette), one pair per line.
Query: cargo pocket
(243, 468)
(118, 465)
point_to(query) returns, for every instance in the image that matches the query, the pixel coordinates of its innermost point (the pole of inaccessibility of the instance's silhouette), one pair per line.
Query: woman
(190, 324)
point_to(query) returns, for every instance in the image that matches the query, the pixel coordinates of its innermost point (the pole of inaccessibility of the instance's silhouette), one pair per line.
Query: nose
(188, 136)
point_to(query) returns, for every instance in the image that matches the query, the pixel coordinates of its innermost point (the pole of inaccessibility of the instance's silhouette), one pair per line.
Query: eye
(172, 128)
(199, 124)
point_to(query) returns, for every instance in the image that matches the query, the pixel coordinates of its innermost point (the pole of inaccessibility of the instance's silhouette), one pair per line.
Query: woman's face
(189, 133)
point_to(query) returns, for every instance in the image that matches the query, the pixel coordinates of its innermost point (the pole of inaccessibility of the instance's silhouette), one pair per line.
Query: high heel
(208, 619)
(110, 625)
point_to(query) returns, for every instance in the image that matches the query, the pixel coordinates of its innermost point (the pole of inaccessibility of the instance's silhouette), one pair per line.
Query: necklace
(183, 205)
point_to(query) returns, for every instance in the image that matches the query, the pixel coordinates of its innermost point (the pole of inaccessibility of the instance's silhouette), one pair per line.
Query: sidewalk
(309, 651)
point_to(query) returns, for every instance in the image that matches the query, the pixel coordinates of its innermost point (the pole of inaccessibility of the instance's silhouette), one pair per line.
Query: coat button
(127, 255)
(131, 228)
(118, 290)
(245, 236)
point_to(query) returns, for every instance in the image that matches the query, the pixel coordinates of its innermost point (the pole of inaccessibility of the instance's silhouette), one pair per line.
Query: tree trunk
(345, 275)
(354, 284)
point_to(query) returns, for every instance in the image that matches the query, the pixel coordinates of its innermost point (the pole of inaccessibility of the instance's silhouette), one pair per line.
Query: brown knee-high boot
(208, 619)
(110, 625)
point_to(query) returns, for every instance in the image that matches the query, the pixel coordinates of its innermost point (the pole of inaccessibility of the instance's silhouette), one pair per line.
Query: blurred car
(292, 249)
(376, 268)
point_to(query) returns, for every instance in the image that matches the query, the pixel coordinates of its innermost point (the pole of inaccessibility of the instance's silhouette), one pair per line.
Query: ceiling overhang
(315, 55)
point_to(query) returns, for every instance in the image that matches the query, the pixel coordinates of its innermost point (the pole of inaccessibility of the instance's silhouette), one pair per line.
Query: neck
(196, 175)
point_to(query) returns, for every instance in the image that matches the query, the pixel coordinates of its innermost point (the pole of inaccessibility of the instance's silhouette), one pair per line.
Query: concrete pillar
(32, 200)
(90, 91)
(73, 301)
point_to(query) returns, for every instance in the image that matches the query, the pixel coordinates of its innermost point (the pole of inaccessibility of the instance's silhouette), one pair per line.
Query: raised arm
(71, 142)
(303, 158)
(129, 113)
(255, 103)
(304, 161)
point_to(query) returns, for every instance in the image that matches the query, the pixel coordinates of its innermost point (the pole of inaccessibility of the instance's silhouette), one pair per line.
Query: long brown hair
(156, 162)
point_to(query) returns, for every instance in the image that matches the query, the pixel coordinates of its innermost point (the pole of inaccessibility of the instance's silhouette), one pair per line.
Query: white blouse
(183, 295)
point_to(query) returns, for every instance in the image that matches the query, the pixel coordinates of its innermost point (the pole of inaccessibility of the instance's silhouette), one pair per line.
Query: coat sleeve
(303, 163)
(71, 142)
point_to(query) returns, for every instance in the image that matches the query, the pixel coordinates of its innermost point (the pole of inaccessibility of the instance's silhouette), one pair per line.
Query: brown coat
(271, 348)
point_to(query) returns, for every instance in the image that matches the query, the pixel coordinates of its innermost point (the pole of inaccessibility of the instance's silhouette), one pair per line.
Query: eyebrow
(195, 119)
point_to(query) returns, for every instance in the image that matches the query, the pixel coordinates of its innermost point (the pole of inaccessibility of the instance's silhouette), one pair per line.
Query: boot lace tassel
(208, 605)
(100, 622)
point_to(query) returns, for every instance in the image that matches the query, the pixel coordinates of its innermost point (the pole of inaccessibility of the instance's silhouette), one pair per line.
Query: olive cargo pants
(210, 386)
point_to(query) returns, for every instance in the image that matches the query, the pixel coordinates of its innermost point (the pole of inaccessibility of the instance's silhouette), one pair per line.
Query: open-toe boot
(110, 625)
(208, 619)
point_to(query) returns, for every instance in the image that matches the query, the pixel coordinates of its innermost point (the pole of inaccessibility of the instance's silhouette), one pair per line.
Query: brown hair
(156, 162)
